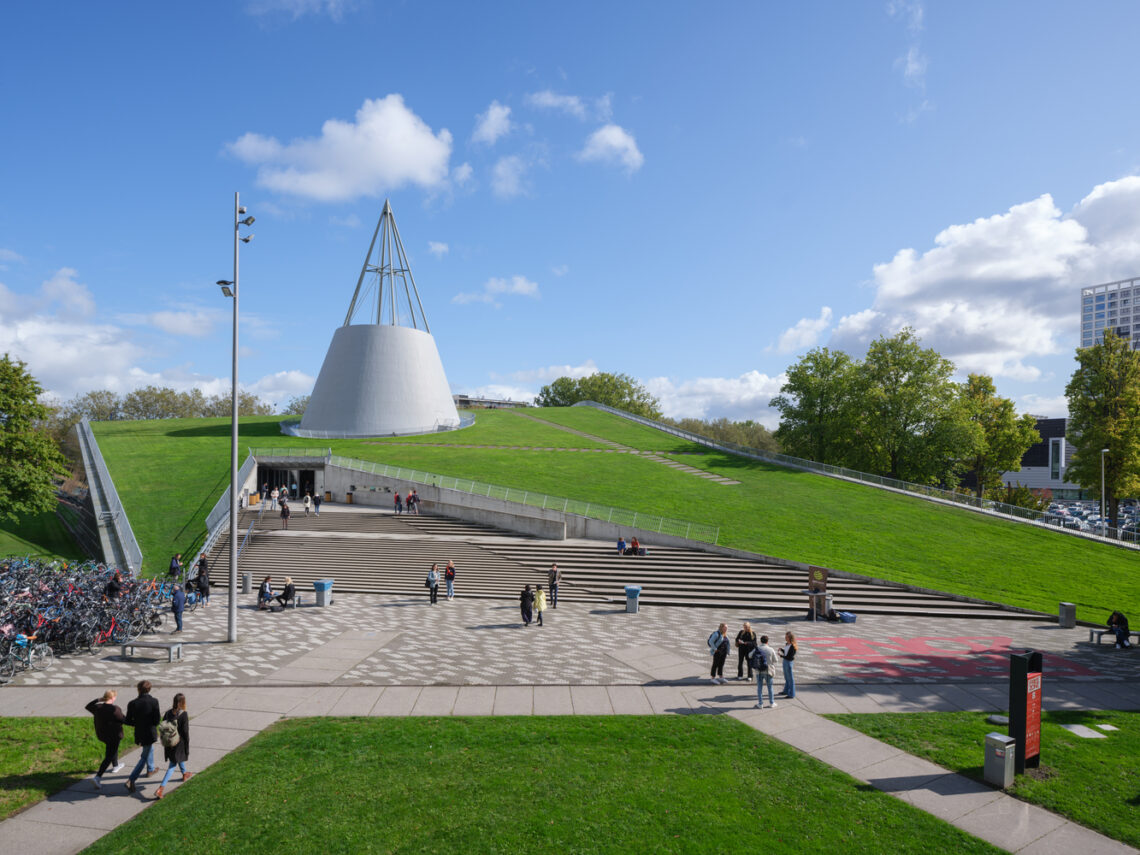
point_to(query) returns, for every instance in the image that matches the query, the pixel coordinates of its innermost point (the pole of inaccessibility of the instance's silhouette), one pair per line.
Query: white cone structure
(380, 379)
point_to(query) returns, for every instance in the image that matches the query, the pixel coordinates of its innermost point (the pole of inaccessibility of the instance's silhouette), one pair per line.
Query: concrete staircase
(368, 551)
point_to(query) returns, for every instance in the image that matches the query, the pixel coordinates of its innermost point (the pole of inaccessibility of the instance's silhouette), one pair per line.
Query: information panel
(1033, 715)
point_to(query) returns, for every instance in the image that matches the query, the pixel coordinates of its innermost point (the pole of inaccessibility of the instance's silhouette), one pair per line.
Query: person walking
(273, 499)
(399, 509)
(745, 642)
(175, 571)
(203, 580)
(108, 730)
(787, 654)
(414, 503)
(175, 735)
(718, 647)
(143, 715)
(293, 492)
(433, 584)
(177, 607)
(764, 662)
(554, 579)
(539, 603)
(285, 514)
(526, 605)
(449, 578)
(317, 503)
(308, 503)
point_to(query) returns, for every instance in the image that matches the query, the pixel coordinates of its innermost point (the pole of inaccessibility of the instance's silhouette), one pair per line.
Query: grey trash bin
(246, 582)
(323, 587)
(1001, 756)
(632, 592)
(1068, 616)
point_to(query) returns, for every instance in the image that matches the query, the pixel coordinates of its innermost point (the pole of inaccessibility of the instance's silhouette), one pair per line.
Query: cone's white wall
(380, 379)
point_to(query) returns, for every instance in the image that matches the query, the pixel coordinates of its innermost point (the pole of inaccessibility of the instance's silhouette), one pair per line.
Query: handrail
(109, 497)
(1116, 537)
(292, 427)
(618, 516)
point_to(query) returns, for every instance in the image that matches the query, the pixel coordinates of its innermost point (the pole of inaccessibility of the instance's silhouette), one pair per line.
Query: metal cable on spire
(388, 277)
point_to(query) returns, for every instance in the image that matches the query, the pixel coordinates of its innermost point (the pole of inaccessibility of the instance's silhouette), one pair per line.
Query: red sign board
(1033, 714)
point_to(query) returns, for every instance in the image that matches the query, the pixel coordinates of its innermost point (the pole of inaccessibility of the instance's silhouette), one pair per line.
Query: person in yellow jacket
(539, 603)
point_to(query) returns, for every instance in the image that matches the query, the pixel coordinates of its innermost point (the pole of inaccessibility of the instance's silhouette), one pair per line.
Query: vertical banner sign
(1033, 718)
(1025, 679)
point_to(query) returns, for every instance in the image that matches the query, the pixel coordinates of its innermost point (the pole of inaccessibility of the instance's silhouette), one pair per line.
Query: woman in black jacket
(108, 730)
(178, 753)
(288, 594)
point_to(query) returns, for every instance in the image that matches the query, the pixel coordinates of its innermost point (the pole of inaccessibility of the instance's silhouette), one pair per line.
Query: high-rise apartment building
(1111, 307)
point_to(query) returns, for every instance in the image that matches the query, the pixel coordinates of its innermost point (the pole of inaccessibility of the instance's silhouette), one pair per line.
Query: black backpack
(759, 661)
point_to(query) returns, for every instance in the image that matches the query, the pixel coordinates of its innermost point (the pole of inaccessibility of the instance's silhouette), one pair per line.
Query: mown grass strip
(41, 756)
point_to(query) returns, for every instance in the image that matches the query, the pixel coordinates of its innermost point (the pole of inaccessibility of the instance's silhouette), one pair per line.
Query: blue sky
(694, 194)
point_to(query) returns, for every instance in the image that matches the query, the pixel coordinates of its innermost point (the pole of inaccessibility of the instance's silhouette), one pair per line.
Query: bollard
(1068, 616)
(246, 582)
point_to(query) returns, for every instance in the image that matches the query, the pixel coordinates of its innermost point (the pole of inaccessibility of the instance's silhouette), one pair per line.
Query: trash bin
(1068, 618)
(632, 592)
(348, 498)
(328, 495)
(1001, 755)
(323, 587)
(246, 582)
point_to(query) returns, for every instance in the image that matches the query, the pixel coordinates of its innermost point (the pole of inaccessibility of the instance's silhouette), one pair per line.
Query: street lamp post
(227, 285)
(1103, 507)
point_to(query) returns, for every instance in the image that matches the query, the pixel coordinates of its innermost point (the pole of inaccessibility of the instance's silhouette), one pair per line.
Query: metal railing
(1118, 537)
(113, 511)
(592, 510)
(292, 428)
(295, 453)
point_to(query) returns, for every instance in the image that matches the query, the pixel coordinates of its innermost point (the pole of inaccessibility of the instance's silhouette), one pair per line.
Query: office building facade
(1113, 306)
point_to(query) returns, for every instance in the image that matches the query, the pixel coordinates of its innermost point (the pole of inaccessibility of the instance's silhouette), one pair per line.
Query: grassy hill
(39, 536)
(170, 473)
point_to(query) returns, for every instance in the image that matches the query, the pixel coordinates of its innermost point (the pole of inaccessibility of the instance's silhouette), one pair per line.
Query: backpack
(168, 733)
(759, 661)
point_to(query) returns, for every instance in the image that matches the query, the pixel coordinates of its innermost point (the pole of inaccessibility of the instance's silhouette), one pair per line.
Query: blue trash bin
(632, 592)
(323, 587)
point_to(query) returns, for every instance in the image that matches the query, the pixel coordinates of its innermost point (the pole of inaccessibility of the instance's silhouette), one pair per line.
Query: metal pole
(232, 622)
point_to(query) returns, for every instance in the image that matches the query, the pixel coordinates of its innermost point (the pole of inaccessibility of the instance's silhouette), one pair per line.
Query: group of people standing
(412, 501)
(170, 729)
(432, 582)
(760, 658)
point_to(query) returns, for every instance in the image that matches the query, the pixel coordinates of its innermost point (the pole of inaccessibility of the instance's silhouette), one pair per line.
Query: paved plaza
(399, 656)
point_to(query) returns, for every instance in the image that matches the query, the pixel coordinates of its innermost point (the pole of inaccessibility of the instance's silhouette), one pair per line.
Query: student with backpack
(718, 647)
(763, 663)
(174, 734)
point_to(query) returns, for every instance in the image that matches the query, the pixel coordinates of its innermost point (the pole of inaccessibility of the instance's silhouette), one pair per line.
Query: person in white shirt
(764, 663)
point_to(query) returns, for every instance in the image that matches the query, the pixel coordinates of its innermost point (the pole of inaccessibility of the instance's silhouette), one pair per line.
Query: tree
(619, 391)
(296, 406)
(912, 425)
(1104, 413)
(31, 458)
(1005, 436)
(815, 407)
(750, 434)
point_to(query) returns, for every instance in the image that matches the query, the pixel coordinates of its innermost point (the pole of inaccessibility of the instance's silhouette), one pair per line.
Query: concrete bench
(169, 646)
(1097, 634)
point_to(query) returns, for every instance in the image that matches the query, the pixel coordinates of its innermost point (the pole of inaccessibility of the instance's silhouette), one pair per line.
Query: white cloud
(500, 392)
(910, 11)
(615, 145)
(8, 256)
(279, 387)
(1000, 293)
(551, 372)
(493, 287)
(913, 65)
(1050, 407)
(70, 297)
(547, 100)
(508, 177)
(294, 9)
(195, 322)
(350, 222)
(736, 398)
(805, 333)
(462, 174)
(493, 124)
(560, 270)
(437, 248)
(386, 147)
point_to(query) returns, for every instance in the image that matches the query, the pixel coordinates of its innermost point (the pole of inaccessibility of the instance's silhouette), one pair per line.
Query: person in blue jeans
(179, 753)
(787, 654)
(763, 662)
(143, 715)
(177, 606)
(449, 577)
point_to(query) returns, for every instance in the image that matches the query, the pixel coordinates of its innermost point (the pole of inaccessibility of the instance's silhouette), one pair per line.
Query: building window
(1056, 457)
(1100, 316)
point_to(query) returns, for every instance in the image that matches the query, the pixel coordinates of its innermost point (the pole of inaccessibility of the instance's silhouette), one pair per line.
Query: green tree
(911, 421)
(750, 434)
(816, 407)
(296, 406)
(1104, 413)
(31, 458)
(1005, 436)
(619, 391)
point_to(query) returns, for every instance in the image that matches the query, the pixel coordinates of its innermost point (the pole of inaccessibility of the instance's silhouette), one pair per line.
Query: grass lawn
(500, 427)
(1091, 781)
(39, 536)
(41, 756)
(515, 785)
(603, 424)
(170, 473)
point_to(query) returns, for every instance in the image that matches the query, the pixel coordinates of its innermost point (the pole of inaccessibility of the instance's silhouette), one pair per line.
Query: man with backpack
(143, 715)
(763, 662)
